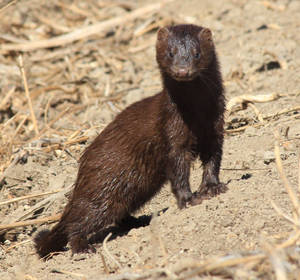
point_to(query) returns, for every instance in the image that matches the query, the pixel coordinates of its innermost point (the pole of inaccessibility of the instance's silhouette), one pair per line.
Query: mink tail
(49, 241)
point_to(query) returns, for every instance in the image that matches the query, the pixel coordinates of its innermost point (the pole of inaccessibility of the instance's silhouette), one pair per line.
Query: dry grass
(67, 65)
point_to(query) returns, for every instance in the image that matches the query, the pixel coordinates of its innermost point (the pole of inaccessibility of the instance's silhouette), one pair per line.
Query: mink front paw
(211, 190)
(183, 199)
(206, 192)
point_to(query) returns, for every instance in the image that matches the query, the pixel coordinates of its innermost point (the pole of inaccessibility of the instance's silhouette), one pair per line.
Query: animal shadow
(123, 227)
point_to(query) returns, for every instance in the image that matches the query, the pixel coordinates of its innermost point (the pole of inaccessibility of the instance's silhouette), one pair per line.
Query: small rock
(269, 157)
(7, 242)
(26, 207)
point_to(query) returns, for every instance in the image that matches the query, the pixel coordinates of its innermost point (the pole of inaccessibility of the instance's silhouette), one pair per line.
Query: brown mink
(151, 142)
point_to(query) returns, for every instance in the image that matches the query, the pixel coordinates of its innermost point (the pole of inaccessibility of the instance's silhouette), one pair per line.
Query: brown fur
(151, 142)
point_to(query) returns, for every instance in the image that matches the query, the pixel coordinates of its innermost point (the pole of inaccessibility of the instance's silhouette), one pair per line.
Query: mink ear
(205, 35)
(163, 33)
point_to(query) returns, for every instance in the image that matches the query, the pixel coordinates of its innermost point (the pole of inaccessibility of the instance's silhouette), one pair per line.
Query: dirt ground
(78, 87)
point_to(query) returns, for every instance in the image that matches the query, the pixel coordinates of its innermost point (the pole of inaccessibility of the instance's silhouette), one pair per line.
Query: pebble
(7, 242)
(269, 157)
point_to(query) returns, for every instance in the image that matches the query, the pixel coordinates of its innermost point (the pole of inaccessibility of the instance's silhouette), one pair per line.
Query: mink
(150, 143)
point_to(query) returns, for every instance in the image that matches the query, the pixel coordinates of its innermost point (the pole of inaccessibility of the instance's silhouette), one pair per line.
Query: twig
(19, 127)
(276, 262)
(50, 124)
(242, 128)
(36, 207)
(217, 264)
(18, 244)
(6, 98)
(291, 241)
(77, 140)
(68, 273)
(84, 32)
(10, 3)
(27, 197)
(282, 214)
(246, 98)
(239, 129)
(285, 181)
(256, 111)
(104, 263)
(21, 66)
(108, 253)
(282, 112)
(53, 218)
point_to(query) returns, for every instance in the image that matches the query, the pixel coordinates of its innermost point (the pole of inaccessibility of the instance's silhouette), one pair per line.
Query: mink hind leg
(94, 219)
(76, 222)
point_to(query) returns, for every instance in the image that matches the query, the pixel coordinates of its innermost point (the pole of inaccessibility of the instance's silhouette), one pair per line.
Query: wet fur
(151, 142)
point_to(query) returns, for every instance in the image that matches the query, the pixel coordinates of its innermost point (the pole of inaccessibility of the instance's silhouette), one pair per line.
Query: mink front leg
(210, 151)
(179, 175)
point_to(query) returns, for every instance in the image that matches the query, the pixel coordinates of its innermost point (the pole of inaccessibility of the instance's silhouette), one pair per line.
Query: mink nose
(182, 72)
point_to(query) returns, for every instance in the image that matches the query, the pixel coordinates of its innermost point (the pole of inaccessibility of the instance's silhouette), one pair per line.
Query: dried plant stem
(291, 241)
(7, 5)
(285, 181)
(20, 126)
(27, 197)
(82, 276)
(108, 253)
(77, 140)
(282, 112)
(18, 244)
(50, 124)
(256, 111)
(277, 264)
(282, 214)
(246, 98)
(264, 118)
(84, 32)
(217, 264)
(53, 218)
(6, 97)
(21, 66)
(104, 263)
(29, 213)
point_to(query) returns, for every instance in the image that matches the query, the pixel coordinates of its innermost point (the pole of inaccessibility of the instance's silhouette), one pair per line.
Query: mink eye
(171, 54)
(197, 55)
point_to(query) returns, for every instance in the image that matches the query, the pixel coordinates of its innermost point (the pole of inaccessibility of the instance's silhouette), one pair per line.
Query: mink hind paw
(84, 250)
(206, 192)
(81, 246)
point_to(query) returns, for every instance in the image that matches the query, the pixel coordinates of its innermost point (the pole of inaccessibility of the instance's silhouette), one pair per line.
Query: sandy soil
(258, 47)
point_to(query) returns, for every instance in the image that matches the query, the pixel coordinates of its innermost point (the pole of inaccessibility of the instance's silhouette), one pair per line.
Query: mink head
(184, 51)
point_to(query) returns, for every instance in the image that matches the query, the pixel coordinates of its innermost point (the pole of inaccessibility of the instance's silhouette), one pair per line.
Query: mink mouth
(186, 78)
